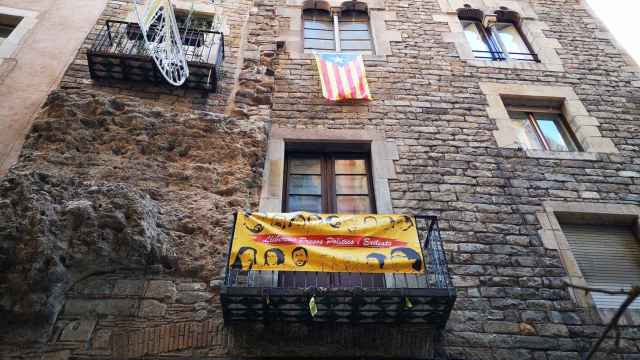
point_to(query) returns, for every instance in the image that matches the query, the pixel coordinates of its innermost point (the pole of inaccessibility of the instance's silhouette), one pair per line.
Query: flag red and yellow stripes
(342, 76)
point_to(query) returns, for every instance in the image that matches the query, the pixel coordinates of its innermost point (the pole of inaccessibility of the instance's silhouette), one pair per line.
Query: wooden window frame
(494, 43)
(328, 177)
(533, 121)
(335, 22)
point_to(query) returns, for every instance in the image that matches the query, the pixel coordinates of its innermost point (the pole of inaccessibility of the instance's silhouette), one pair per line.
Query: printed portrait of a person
(245, 259)
(300, 256)
(273, 257)
(406, 255)
(375, 260)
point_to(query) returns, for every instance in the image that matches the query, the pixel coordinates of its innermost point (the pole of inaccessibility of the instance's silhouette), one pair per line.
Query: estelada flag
(342, 76)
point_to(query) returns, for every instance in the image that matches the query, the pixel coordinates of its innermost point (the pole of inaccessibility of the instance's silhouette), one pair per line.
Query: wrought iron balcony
(119, 53)
(341, 297)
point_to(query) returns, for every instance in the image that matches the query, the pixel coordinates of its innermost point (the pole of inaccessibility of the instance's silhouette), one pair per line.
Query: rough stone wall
(103, 162)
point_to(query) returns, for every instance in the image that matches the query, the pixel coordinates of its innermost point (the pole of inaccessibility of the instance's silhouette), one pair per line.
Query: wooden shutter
(608, 257)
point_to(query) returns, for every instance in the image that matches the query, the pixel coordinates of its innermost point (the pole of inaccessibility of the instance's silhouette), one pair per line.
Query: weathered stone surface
(129, 287)
(161, 289)
(118, 307)
(79, 330)
(152, 308)
(192, 297)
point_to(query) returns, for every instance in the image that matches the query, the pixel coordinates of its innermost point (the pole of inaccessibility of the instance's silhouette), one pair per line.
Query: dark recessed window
(542, 129)
(8, 23)
(328, 182)
(497, 41)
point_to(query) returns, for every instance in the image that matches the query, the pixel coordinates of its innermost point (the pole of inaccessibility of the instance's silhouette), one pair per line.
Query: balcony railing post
(231, 235)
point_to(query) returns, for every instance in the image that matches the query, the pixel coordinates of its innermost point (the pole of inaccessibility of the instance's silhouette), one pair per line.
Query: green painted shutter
(608, 257)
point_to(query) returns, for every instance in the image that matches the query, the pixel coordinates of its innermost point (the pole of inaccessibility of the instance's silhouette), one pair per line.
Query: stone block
(152, 308)
(161, 289)
(129, 288)
(192, 297)
(78, 331)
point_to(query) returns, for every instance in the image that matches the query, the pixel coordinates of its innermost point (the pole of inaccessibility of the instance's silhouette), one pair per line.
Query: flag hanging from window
(342, 76)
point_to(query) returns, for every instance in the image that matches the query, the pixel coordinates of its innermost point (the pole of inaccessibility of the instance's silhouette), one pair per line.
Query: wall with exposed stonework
(187, 170)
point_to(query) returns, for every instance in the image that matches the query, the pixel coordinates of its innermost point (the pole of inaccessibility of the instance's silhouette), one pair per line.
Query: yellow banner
(304, 241)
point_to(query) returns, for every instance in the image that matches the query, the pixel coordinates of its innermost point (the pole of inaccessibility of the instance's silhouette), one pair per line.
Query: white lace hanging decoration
(162, 39)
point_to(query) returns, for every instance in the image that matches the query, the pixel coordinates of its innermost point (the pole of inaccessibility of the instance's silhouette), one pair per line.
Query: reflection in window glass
(304, 184)
(554, 133)
(318, 30)
(475, 39)
(353, 204)
(305, 203)
(356, 184)
(542, 131)
(327, 182)
(527, 136)
(512, 42)
(351, 167)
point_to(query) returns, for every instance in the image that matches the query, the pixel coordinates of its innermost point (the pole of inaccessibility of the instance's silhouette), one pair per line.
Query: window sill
(310, 56)
(515, 64)
(561, 155)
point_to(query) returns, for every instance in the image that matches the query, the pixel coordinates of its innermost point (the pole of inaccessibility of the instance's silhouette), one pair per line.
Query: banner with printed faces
(304, 241)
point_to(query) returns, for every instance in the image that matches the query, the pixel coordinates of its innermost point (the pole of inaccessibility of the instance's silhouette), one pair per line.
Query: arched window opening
(319, 33)
(495, 37)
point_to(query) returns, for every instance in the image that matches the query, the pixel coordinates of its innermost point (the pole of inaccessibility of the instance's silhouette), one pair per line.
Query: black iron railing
(346, 297)
(119, 53)
(501, 56)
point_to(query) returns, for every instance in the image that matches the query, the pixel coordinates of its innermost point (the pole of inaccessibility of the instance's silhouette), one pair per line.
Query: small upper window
(542, 129)
(345, 31)
(319, 34)
(495, 40)
(8, 23)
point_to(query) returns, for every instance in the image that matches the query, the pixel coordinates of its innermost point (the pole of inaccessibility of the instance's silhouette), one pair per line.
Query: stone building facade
(115, 220)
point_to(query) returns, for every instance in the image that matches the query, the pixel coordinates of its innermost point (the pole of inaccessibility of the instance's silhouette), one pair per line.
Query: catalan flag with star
(342, 76)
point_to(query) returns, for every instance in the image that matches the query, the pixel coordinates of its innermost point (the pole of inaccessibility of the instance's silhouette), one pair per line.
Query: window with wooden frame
(347, 30)
(542, 128)
(328, 182)
(496, 37)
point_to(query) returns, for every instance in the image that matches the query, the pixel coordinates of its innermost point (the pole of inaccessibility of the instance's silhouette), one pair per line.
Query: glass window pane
(475, 39)
(318, 34)
(351, 166)
(527, 136)
(355, 45)
(353, 204)
(352, 184)
(512, 41)
(305, 184)
(553, 132)
(319, 44)
(318, 25)
(305, 203)
(304, 166)
(353, 26)
(355, 35)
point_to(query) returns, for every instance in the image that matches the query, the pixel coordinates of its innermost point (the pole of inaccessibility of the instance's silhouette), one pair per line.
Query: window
(608, 257)
(542, 129)
(7, 24)
(501, 40)
(326, 182)
(347, 31)
(319, 33)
